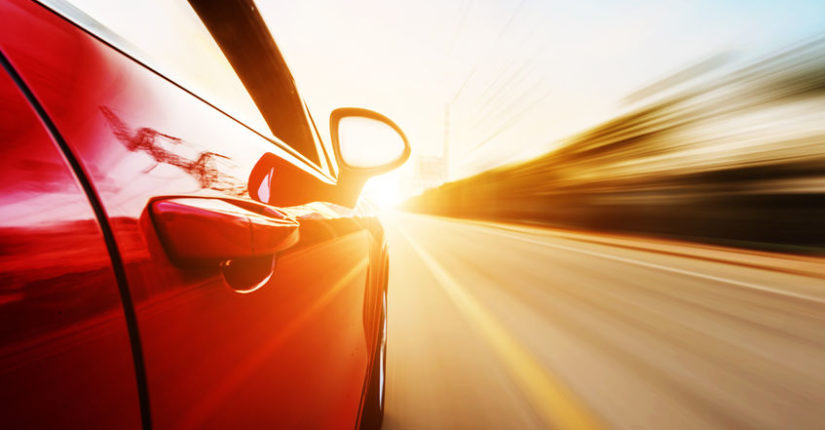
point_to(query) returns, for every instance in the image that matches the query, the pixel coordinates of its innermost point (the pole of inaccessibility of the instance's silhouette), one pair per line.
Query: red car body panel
(65, 356)
(293, 352)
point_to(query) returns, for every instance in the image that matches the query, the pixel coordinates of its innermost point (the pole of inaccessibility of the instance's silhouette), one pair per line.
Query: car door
(227, 342)
(65, 354)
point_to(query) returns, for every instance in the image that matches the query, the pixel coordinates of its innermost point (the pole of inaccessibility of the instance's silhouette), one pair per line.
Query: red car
(178, 247)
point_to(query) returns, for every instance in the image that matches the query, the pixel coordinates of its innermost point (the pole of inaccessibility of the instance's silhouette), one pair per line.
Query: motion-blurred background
(702, 119)
(632, 196)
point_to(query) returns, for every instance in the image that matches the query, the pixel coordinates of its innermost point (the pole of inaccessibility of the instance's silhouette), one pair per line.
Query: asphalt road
(497, 328)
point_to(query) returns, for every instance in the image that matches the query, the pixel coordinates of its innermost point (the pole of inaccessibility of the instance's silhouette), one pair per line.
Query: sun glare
(384, 191)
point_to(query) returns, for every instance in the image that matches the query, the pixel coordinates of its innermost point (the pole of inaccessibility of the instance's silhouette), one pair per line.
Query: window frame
(108, 36)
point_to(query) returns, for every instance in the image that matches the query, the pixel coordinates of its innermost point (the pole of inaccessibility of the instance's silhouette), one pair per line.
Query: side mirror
(366, 144)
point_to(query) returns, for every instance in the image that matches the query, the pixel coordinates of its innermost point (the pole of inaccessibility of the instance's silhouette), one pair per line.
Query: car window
(242, 34)
(170, 37)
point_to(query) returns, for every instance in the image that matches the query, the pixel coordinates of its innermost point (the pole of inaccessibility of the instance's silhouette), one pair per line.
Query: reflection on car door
(291, 354)
(65, 356)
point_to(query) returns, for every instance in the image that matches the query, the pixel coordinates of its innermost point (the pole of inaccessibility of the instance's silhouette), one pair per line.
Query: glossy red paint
(65, 357)
(294, 352)
(199, 231)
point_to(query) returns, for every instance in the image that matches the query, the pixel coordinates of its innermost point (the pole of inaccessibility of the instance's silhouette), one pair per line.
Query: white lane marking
(742, 284)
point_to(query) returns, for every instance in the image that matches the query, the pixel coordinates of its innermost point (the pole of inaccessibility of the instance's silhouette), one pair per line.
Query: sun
(384, 191)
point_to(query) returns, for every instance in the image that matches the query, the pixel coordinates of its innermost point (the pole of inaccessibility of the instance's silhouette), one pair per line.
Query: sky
(514, 76)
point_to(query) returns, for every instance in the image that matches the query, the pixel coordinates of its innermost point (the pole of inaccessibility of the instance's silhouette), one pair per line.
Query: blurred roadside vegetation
(734, 157)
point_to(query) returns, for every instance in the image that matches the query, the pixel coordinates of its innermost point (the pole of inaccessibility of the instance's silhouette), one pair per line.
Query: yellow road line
(557, 406)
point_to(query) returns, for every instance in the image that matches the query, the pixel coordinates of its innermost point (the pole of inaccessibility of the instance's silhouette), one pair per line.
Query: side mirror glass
(366, 143)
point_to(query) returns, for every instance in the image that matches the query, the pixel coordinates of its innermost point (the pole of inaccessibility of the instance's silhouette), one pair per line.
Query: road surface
(518, 328)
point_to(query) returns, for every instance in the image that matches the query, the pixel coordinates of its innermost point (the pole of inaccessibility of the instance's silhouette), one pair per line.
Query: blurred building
(738, 157)
(429, 172)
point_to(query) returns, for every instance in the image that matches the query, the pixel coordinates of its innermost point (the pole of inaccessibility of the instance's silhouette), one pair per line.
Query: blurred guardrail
(737, 158)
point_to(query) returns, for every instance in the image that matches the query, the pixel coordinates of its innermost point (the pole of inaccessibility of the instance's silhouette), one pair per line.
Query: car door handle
(197, 230)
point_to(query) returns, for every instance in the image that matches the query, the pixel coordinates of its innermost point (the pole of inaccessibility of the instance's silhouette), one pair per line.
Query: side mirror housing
(366, 144)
